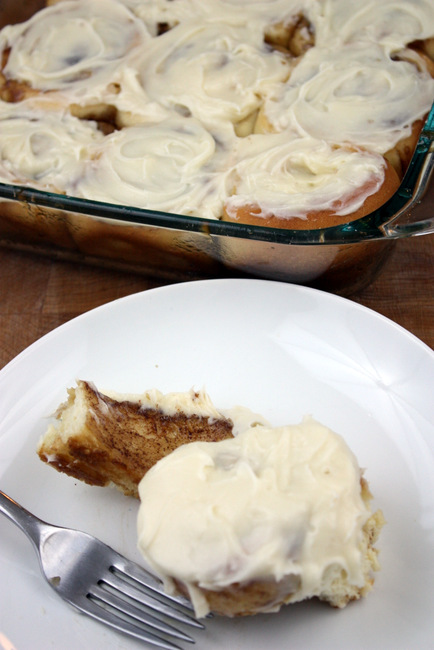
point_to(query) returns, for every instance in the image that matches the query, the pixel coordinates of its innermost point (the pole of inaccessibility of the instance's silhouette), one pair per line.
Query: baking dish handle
(415, 188)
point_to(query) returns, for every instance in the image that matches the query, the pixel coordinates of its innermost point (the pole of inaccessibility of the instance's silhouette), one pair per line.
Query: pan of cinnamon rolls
(274, 137)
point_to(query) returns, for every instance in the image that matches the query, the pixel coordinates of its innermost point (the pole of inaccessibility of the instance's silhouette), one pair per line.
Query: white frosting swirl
(191, 93)
(42, 148)
(73, 45)
(390, 23)
(268, 504)
(228, 71)
(162, 166)
(291, 177)
(355, 94)
(234, 12)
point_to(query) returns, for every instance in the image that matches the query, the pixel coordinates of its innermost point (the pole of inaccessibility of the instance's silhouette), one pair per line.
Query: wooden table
(38, 294)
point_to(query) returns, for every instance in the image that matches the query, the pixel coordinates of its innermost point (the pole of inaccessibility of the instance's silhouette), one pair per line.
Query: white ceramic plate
(281, 350)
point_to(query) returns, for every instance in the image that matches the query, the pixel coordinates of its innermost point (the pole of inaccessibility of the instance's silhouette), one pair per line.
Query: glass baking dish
(342, 259)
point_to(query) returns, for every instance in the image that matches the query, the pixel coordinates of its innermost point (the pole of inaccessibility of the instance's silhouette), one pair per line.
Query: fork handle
(30, 525)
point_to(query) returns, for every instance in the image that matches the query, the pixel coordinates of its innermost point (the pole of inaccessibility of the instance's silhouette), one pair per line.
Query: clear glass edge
(380, 224)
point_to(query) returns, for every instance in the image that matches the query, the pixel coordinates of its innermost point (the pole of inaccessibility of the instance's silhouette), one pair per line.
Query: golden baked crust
(248, 599)
(102, 440)
(322, 218)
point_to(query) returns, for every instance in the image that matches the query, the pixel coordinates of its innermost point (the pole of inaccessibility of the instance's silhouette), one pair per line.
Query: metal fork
(103, 584)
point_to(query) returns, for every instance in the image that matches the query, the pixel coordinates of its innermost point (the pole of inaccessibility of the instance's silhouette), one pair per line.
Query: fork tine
(146, 579)
(92, 608)
(145, 595)
(101, 595)
(71, 560)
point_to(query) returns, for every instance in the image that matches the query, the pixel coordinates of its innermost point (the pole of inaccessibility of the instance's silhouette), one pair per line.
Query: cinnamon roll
(303, 183)
(270, 517)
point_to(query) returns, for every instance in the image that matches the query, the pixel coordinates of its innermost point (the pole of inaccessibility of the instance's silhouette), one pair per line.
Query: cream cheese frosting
(39, 147)
(163, 166)
(73, 45)
(229, 69)
(389, 23)
(355, 94)
(198, 89)
(299, 175)
(271, 503)
(192, 402)
(234, 12)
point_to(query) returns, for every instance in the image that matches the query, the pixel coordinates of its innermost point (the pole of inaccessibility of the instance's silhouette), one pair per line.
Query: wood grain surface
(38, 294)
